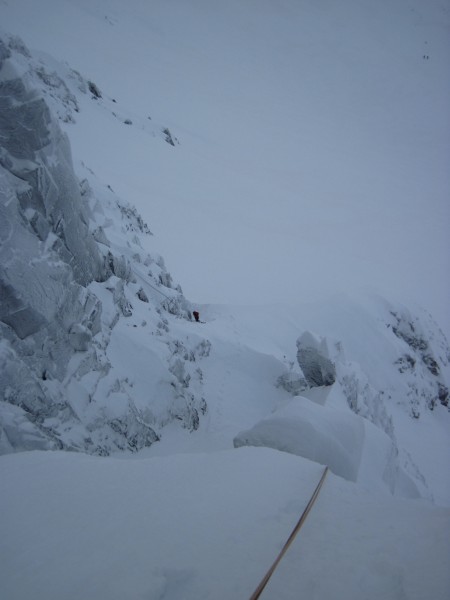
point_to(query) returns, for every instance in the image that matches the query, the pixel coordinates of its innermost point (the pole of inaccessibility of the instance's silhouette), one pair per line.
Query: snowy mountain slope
(313, 138)
(73, 266)
(99, 354)
(397, 409)
(113, 370)
(209, 526)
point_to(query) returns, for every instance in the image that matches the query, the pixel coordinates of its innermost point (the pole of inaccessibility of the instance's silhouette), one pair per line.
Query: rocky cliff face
(58, 271)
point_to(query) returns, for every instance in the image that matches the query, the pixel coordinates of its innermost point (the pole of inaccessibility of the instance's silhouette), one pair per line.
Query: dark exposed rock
(142, 295)
(168, 136)
(431, 390)
(431, 364)
(292, 382)
(443, 394)
(133, 220)
(405, 363)
(96, 93)
(134, 433)
(316, 366)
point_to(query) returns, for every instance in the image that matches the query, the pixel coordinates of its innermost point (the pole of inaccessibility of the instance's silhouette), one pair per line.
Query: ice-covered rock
(312, 356)
(18, 432)
(65, 285)
(36, 155)
(425, 356)
(292, 382)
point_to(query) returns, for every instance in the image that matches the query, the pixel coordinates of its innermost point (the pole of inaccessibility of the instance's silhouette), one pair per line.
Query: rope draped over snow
(256, 594)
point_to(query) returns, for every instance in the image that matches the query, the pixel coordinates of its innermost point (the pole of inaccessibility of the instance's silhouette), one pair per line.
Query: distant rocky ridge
(58, 272)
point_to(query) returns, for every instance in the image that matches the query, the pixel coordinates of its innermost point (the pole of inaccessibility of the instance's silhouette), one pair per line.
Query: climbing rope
(256, 594)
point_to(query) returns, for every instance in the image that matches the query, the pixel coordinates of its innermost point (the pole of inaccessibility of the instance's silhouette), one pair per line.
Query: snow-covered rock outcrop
(65, 285)
(312, 356)
(358, 393)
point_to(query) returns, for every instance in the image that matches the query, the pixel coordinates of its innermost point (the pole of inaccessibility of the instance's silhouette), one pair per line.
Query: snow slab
(208, 526)
(323, 434)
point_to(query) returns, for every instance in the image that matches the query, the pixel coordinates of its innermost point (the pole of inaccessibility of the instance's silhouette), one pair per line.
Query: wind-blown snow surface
(314, 137)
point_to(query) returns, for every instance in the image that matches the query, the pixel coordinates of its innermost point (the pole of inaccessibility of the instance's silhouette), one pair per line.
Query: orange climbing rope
(256, 594)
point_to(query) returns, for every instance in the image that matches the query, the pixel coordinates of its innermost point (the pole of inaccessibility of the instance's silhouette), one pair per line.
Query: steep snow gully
(194, 446)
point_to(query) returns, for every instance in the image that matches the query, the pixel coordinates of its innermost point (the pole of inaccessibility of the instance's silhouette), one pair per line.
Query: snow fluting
(194, 446)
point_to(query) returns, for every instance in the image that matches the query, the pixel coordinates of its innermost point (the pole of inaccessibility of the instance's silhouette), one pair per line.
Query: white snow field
(285, 154)
(208, 526)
